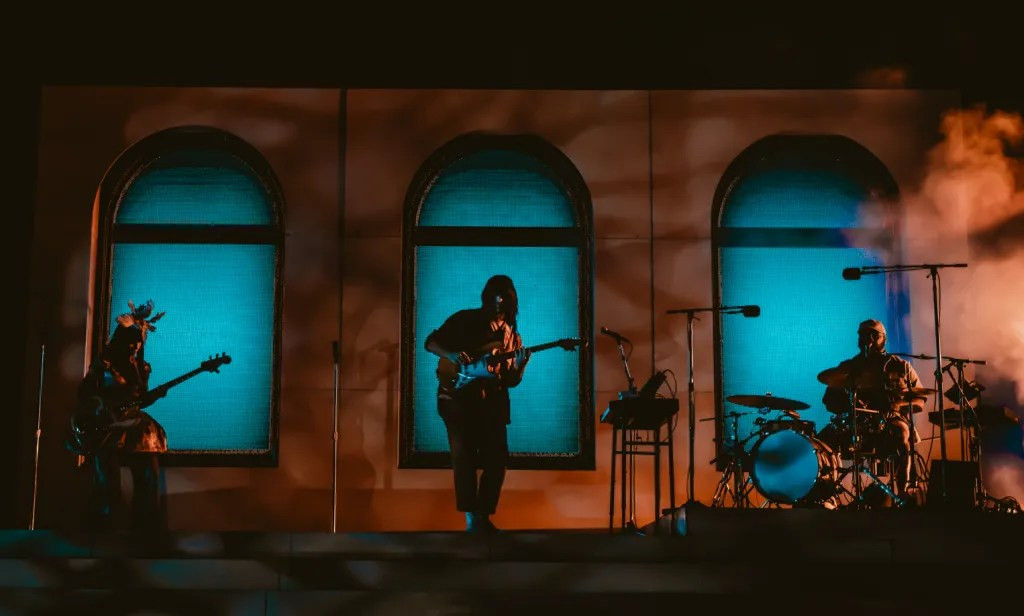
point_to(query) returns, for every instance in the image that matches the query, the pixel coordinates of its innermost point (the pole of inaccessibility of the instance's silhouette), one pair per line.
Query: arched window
(484, 205)
(790, 213)
(192, 218)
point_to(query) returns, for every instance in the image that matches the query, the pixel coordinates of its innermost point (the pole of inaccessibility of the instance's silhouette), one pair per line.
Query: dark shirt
(470, 330)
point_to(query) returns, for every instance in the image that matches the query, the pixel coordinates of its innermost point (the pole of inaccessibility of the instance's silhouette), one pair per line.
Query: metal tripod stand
(734, 481)
(857, 494)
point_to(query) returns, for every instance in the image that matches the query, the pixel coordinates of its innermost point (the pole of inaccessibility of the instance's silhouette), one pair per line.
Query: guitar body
(90, 426)
(453, 376)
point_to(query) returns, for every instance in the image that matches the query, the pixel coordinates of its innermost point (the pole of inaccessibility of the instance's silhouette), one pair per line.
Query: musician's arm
(836, 399)
(914, 381)
(435, 347)
(514, 374)
(90, 383)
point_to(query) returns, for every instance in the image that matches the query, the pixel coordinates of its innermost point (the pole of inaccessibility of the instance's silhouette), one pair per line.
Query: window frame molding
(842, 154)
(116, 183)
(580, 236)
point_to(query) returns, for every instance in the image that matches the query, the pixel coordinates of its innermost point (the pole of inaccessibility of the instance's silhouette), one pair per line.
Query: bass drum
(794, 468)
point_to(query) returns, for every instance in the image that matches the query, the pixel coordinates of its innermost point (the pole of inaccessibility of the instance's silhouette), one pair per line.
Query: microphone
(616, 335)
(334, 350)
(852, 273)
(751, 311)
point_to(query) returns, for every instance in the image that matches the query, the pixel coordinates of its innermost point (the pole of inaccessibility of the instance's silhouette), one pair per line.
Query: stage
(725, 560)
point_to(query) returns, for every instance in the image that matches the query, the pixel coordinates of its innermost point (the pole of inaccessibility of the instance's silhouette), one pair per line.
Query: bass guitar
(91, 422)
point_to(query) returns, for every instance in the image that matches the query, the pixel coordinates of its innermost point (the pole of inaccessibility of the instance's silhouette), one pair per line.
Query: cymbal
(916, 392)
(909, 396)
(834, 377)
(768, 402)
(902, 406)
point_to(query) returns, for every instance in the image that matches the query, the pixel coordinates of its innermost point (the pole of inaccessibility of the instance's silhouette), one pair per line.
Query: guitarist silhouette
(476, 414)
(118, 376)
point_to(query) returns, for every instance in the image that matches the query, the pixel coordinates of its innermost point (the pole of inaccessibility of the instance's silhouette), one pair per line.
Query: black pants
(147, 511)
(478, 439)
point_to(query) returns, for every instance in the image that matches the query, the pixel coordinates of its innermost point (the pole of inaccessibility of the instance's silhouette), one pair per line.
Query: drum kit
(791, 464)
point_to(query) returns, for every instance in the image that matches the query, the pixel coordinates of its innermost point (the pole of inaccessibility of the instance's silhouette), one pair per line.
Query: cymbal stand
(856, 494)
(734, 472)
(854, 443)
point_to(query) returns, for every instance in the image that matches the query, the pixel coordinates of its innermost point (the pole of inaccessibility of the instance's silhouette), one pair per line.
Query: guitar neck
(533, 349)
(181, 379)
(169, 384)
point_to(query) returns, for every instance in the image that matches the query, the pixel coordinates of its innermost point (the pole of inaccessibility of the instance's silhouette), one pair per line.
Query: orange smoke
(971, 209)
(971, 201)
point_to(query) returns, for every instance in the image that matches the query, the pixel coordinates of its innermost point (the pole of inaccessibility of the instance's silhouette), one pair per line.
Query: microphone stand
(39, 433)
(626, 453)
(691, 400)
(625, 364)
(933, 269)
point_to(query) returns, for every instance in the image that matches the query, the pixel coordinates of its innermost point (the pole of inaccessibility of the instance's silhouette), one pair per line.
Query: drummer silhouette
(886, 390)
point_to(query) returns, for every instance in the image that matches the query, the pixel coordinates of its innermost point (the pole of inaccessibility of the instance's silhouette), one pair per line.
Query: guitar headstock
(570, 344)
(215, 362)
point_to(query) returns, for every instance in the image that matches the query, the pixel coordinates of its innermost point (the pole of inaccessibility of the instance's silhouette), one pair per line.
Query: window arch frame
(115, 185)
(580, 236)
(842, 154)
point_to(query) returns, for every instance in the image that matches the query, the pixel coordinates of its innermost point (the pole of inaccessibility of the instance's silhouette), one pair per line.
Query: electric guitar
(92, 419)
(453, 376)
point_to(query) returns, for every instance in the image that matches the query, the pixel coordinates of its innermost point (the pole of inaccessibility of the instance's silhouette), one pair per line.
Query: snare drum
(794, 468)
(839, 431)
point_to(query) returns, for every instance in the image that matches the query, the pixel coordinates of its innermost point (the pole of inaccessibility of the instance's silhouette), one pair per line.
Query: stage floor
(731, 561)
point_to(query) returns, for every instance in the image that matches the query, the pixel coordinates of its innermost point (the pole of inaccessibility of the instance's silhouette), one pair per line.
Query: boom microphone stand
(747, 311)
(854, 273)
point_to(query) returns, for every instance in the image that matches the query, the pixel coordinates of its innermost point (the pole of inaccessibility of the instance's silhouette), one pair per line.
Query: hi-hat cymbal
(768, 402)
(909, 396)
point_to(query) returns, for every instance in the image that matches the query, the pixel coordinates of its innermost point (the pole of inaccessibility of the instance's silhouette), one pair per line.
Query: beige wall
(609, 136)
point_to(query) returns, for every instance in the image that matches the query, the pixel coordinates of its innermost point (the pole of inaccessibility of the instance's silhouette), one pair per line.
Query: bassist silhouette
(118, 375)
